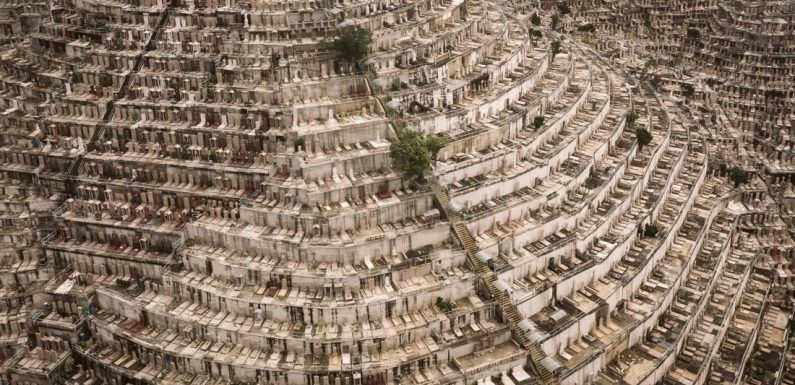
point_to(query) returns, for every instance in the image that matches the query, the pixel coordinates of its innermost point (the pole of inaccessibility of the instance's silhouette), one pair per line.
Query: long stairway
(99, 132)
(507, 308)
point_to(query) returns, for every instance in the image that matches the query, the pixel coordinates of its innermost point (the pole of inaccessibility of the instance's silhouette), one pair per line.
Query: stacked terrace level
(25, 204)
(749, 63)
(772, 348)
(99, 46)
(18, 18)
(582, 290)
(731, 63)
(648, 361)
(227, 211)
(734, 360)
(738, 58)
(735, 348)
(493, 146)
(234, 206)
(293, 225)
(687, 335)
(515, 188)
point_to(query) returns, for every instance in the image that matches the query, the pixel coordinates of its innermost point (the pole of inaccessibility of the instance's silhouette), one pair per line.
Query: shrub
(352, 42)
(564, 8)
(443, 304)
(298, 143)
(69, 365)
(538, 122)
(555, 47)
(632, 117)
(738, 176)
(688, 90)
(650, 230)
(774, 94)
(644, 137)
(535, 19)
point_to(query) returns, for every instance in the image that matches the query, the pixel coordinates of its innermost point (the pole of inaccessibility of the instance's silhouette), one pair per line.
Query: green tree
(555, 47)
(777, 94)
(298, 143)
(69, 365)
(412, 153)
(352, 42)
(434, 144)
(410, 157)
(644, 137)
(693, 34)
(688, 90)
(443, 304)
(738, 176)
(588, 28)
(632, 117)
(535, 19)
(554, 23)
(650, 230)
(538, 121)
(564, 8)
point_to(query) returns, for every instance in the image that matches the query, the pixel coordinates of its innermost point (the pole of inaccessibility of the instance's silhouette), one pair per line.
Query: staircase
(98, 133)
(460, 230)
(507, 309)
